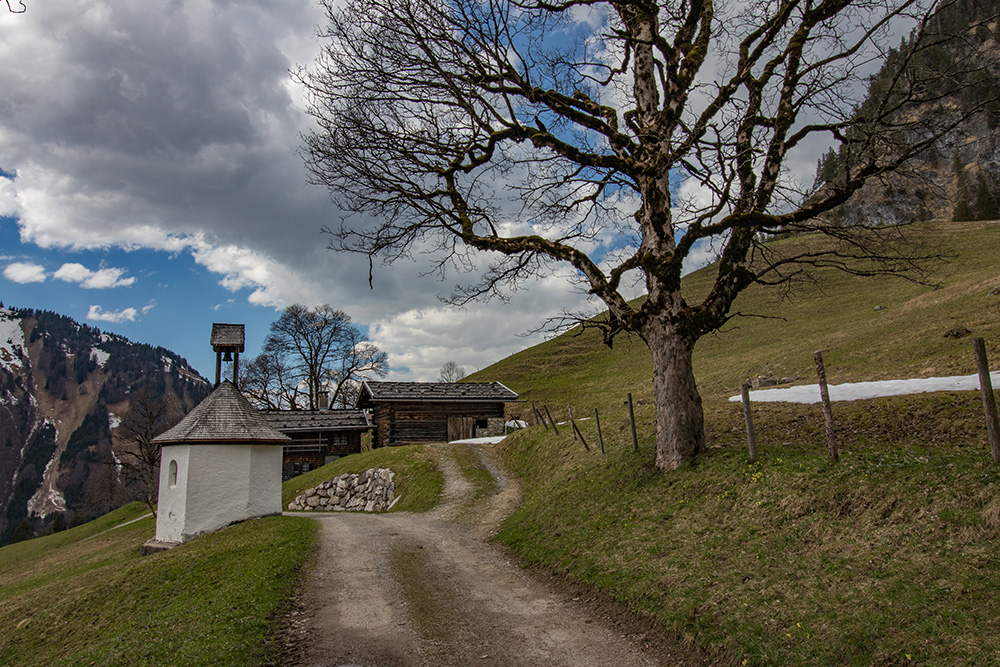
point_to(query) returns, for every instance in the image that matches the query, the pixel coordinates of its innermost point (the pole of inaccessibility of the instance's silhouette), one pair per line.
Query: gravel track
(428, 589)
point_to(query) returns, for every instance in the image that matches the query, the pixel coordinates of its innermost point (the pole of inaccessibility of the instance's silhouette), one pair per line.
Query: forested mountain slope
(958, 178)
(63, 388)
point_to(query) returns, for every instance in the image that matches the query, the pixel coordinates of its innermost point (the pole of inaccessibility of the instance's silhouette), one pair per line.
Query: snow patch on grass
(853, 391)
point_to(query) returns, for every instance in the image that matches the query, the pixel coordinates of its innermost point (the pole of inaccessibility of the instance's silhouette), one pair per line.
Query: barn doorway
(461, 428)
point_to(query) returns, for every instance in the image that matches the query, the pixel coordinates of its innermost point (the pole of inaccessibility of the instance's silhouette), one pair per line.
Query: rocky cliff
(958, 178)
(64, 387)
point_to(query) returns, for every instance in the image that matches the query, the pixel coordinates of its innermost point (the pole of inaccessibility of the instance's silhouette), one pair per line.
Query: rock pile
(769, 380)
(369, 491)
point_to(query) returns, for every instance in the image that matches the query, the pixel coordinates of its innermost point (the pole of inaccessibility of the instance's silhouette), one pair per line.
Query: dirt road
(427, 589)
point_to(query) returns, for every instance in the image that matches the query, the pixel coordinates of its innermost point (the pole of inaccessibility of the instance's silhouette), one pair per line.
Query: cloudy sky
(150, 186)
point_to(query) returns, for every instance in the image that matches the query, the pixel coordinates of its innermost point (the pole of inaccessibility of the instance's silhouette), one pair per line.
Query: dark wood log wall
(406, 423)
(297, 462)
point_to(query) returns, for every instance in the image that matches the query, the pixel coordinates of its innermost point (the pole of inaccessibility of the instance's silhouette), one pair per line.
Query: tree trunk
(680, 422)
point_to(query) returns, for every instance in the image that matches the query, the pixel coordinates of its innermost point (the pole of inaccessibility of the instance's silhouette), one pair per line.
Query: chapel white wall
(172, 499)
(223, 484)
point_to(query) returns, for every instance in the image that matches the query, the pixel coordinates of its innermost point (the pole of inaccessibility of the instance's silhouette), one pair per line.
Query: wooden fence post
(631, 419)
(576, 430)
(824, 394)
(538, 416)
(748, 418)
(572, 424)
(600, 437)
(553, 421)
(989, 400)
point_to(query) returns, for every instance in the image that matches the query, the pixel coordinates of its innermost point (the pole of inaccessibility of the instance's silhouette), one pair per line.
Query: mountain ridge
(958, 177)
(63, 388)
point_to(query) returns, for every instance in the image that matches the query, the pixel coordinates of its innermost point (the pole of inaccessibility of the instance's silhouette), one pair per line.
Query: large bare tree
(359, 359)
(270, 383)
(307, 351)
(619, 138)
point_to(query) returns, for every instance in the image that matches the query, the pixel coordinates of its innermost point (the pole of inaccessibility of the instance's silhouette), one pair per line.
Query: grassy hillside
(888, 557)
(780, 331)
(84, 596)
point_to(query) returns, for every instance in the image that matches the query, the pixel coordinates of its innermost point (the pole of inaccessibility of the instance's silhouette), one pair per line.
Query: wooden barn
(318, 436)
(405, 413)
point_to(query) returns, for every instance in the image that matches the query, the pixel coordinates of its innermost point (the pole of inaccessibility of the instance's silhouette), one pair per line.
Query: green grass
(84, 596)
(785, 560)
(418, 480)
(888, 557)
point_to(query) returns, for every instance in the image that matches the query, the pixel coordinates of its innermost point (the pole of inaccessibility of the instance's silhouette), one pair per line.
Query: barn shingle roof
(436, 391)
(224, 418)
(288, 421)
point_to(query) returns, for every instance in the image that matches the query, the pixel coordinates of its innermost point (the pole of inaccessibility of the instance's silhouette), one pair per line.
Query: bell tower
(228, 340)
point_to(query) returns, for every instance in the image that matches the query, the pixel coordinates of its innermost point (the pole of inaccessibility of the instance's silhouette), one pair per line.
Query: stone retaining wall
(369, 491)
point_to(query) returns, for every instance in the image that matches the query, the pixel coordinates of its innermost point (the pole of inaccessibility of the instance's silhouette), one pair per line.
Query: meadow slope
(887, 557)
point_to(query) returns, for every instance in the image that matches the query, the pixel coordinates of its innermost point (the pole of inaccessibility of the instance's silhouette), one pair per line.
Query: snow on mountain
(11, 342)
(100, 356)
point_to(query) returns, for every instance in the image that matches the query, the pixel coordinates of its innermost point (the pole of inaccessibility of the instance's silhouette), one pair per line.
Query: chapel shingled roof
(288, 421)
(436, 391)
(224, 418)
(228, 336)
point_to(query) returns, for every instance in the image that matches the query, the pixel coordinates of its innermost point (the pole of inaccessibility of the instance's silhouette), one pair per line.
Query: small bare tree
(452, 372)
(620, 138)
(136, 455)
(359, 360)
(106, 489)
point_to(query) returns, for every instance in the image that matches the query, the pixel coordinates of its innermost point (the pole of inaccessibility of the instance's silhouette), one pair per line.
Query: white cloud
(98, 314)
(103, 278)
(24, 272)
(273, 283)
(228, 303)
(420, 340)
(703, 252)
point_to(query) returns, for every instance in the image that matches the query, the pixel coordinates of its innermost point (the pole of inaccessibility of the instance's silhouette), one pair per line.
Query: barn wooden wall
(407, 423)
(292, 460)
